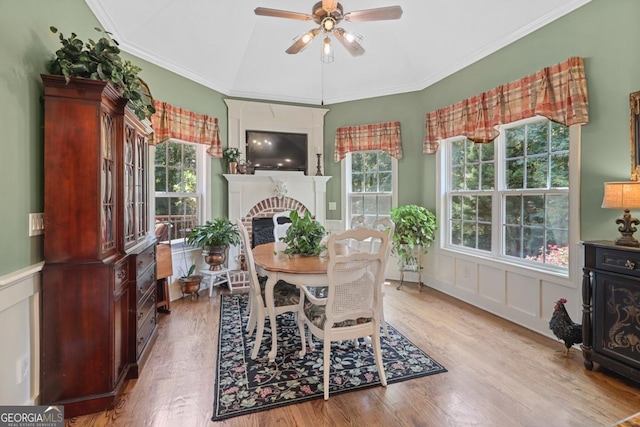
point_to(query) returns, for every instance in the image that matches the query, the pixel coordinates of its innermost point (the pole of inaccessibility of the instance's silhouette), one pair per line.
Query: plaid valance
(174, 122)
(379, 136)
(558, 93)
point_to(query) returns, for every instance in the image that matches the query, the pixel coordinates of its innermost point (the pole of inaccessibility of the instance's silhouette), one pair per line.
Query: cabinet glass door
(107, 181)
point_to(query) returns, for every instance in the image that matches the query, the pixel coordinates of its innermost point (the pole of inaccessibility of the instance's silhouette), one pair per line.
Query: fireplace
(261, 231)
(269, 192)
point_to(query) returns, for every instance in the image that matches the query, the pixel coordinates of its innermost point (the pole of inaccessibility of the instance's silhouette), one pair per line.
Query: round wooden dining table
(298, 270)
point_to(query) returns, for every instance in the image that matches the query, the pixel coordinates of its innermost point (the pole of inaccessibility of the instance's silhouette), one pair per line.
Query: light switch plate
(36, 224)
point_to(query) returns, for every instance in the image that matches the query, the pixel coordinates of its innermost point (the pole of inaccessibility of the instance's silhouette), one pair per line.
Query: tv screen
(276, 150)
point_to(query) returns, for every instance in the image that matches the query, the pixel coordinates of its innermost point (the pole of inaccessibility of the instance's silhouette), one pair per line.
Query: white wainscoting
(20, 335)
(521, 295)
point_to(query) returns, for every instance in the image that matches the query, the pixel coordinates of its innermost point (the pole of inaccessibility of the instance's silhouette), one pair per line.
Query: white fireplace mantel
(245, 191)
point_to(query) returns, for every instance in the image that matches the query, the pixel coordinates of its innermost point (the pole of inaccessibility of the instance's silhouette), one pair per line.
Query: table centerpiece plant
(305, 236)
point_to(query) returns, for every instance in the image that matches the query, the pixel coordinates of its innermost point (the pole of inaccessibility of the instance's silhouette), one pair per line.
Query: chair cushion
(316, 314)
(283, 293)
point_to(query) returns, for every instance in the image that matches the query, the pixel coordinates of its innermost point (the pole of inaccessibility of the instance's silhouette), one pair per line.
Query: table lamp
(624, 195)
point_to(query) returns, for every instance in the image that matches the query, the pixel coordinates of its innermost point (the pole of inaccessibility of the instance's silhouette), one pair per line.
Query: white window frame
(203, 176)
(495, 255)
(346, 186)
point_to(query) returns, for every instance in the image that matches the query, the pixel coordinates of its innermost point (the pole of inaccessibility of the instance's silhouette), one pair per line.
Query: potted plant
(231, 155)
(190, 283)
(100, 60)
(415, 228)
(214, 237)
(304, 236)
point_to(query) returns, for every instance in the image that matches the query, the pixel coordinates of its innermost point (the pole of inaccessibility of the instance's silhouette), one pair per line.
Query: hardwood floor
(500, 374)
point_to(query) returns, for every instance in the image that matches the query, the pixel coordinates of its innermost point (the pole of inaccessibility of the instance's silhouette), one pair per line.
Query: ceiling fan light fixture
(328, 14)
(327, 51)
(328, 24)
(352, 37)
(307, 37)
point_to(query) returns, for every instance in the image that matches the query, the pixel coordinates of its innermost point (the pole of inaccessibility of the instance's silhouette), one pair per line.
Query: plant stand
(215, 278)
(413, 268)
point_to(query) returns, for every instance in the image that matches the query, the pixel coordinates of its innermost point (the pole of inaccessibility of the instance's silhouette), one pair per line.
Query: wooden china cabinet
(98, 298)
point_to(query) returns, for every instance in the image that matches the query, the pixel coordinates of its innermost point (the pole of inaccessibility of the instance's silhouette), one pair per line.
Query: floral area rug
(244, 386)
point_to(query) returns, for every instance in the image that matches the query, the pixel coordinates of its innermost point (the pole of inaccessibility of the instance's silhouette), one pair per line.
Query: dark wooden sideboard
(98, 296)
(611, 308)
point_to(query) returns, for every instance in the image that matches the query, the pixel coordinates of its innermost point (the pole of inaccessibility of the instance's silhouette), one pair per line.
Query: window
(510, 198)
(178, 185)
(369, 185)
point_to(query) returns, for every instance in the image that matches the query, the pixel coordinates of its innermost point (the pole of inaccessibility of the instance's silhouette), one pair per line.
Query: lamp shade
(621, 195)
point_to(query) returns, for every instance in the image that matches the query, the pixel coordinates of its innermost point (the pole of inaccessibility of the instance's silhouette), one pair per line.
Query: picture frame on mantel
(634, 125)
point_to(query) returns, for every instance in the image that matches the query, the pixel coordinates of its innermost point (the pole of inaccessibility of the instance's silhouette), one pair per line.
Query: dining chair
(281, 223)
(351, 309)
(357, 221)
(386, 225)
(286, 296)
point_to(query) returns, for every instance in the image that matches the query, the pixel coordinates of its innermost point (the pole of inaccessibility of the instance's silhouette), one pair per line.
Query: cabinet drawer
(144, 307)
(145, 258)
(618, 261)
(146, 280)
(145, 332)
(121, 276)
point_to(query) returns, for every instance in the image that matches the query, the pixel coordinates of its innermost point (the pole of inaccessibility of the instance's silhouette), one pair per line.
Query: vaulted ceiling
(226, 47)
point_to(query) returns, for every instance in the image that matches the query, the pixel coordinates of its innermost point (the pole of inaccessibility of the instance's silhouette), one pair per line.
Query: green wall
(26, 46)
(604, 32)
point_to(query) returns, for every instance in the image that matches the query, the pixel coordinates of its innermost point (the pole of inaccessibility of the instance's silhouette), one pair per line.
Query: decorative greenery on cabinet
(100, 60)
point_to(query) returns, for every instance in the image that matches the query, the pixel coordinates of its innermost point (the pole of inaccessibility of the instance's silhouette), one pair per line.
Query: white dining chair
(386, 225)
(351, 309)
(280, 225)
(357, 221)
(286, 296)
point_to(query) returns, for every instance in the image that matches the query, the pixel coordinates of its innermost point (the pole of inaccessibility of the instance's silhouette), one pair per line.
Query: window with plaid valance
(174, 122)
(379, 136)
(558, 93)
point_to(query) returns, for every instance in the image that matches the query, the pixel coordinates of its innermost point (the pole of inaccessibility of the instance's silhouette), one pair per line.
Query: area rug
(244, 386)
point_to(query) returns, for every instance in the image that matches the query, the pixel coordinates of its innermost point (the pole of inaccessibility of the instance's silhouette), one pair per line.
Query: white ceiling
(226, 47)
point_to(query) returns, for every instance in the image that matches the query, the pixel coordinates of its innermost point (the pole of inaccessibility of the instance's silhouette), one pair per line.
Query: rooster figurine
(563, 327)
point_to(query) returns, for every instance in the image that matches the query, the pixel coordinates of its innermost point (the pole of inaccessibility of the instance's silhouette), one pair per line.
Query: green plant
(219, 232)
(189, 274)
(231, 154)
(304, 236)
(100, 60)
(415, 228)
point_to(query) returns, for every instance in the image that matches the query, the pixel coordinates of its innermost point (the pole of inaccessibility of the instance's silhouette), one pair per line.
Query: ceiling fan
(328, 14)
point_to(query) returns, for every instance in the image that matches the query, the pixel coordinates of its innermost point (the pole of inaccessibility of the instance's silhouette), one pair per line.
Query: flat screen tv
(281, 151)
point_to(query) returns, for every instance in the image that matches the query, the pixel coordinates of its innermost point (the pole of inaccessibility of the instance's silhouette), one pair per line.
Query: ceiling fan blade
(329, 5)
(263, 11)
(303, 41)
(378, 14)
(349, 41)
